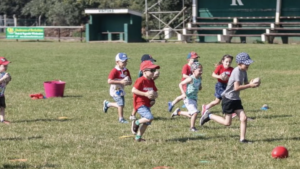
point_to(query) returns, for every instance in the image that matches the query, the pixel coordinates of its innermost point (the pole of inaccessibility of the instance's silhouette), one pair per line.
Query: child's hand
(6, 78)
(255, 82)
(127, 81)
(151, 94)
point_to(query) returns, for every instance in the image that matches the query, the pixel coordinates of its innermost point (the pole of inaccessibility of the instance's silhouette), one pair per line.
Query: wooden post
(58, 34)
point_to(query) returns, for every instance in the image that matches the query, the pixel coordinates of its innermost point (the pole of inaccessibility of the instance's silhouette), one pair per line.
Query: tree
(12, 7)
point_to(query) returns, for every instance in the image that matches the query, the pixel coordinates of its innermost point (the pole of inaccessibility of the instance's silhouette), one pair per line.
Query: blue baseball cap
(121, 57)
(243, 58)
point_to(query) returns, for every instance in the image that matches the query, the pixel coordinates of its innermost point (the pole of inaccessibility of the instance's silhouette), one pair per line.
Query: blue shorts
(120, 100)
(145, 112)
(219, 89)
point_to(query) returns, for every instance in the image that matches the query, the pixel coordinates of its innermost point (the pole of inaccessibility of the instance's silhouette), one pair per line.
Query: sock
(137, 122)
(120, 118)
(209, 116)
(138, 137)
(206, 107)
(172, 103)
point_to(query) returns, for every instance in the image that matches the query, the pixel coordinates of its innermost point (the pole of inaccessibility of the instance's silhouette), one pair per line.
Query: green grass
(90, 139)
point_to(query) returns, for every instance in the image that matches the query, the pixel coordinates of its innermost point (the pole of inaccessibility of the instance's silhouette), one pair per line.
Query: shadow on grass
(40, 120)
(162, 118)
(72, 96)
(275, 116)
(279, 139)
(196, 136)
(185, 139)
(23, 165)
(19, 138)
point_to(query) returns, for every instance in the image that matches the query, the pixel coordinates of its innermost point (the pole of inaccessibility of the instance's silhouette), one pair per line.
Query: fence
(59, 33)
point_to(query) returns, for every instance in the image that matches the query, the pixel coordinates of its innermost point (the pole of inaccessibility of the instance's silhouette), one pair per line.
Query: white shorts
(191, 106)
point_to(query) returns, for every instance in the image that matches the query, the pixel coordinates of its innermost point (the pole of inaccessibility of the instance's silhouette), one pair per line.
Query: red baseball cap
(4, 61)
(147, 64)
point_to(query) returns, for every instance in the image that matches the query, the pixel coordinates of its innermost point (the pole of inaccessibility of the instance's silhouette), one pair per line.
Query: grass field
(91, 139)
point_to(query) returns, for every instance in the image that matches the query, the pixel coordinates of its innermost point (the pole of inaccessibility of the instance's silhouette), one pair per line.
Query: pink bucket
(54, 88)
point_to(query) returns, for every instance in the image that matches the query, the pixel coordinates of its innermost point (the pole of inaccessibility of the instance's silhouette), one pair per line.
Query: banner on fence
(24, 33)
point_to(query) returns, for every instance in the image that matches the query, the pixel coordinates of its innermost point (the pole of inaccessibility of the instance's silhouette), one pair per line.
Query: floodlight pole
(146, 13)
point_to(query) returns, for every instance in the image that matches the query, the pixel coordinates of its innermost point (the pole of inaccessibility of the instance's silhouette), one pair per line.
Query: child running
(231, 102)
(118, 78)
(156, 75)
(186, 72)
(5, 78)
(193, 85)
(222, 73)
(144, 92)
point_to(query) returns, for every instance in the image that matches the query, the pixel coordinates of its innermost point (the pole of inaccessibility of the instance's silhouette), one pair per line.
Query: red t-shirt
(220, 69)
(186, 69)
(143, 84)
(118, 74)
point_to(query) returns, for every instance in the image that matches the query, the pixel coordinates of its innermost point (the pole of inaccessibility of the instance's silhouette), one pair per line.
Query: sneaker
(245, 141)
(123, 121)
(193, 129)
(233, 115)
(170, 106)
(203, 109)
(140, 140)
(175, 113)
(105, 107)
(132, 117)
(134, 127)
(204, 118)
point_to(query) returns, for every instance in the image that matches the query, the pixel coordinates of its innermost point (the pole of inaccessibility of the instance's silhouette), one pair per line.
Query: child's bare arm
(185, 76)
(116, 81)
(184, 82)
(238, 87)
(138, 92)
(214, 75)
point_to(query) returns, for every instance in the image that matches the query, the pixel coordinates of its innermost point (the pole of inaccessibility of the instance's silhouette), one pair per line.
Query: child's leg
(120, 112)
(184, 113)
(146, 120)
(181, 97)
(243, 126)
(193, 119)
(133, 113)
(225, 121)
(119, 104)
(142, 130)
(213, 103)
(2, 114)
(171, 104)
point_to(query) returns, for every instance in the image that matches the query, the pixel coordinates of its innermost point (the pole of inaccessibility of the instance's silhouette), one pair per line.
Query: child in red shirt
(156, 75)
(186, 72)
(222, 73)
(118, 78)
(144, 93)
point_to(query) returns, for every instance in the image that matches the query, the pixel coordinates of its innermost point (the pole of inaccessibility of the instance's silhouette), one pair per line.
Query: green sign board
(24, 33)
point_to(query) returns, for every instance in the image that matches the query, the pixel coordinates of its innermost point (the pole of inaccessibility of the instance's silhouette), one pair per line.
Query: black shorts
(229, 106)
(2, 102)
